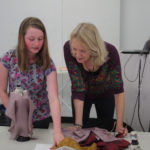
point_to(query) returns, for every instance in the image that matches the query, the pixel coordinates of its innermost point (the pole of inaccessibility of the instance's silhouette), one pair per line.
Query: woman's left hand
(121, 130)
(74, 128)
(57, 137)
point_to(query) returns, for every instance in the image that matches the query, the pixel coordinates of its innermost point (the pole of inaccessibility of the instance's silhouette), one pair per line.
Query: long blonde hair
(89, 36)
(43, 57)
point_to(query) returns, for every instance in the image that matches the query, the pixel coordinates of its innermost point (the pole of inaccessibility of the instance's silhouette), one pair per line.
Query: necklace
(91, 68)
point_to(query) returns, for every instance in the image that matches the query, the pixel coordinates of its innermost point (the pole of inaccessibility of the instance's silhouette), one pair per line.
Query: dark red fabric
(89, 140)
(119, 135)
(115, 145)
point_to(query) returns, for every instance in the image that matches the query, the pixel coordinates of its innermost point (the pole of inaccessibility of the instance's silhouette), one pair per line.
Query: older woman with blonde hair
(95, 72)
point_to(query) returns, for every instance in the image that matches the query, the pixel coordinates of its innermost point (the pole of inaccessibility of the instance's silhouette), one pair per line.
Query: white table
(44, 136)
(40, 136)
(144, 140)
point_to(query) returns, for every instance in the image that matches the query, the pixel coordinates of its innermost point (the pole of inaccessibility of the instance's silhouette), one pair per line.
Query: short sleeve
(50, 69)
(6, 59)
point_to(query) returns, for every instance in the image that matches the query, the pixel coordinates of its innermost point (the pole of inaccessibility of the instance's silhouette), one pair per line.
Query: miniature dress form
(20, 110)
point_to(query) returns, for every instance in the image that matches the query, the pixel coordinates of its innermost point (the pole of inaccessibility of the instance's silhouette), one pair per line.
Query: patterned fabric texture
(34, 81)
(106, 81)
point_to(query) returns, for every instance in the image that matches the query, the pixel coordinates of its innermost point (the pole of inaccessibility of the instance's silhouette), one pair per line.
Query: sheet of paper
(47, 147)
(43, 146)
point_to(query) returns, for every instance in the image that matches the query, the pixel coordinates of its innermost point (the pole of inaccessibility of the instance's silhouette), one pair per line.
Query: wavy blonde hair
(43, 57)
(89, 36)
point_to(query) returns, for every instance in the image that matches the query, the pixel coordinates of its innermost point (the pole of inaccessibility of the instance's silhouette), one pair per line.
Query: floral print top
(105, 82)
(34, 81)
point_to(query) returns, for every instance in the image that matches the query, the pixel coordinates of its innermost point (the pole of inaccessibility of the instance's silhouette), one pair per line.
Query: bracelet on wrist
(78, 125)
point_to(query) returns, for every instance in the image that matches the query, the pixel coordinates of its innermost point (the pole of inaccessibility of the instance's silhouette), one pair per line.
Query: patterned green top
(106, 81)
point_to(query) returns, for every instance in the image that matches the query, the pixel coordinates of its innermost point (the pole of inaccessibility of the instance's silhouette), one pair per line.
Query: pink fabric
(20, 109)
(83, 134)
(103, 139)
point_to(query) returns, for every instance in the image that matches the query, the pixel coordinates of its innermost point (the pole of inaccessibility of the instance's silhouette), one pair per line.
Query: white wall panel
(59, 17)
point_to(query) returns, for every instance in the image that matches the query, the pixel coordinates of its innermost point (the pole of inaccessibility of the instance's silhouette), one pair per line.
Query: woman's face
(80, 52)
(34, 39)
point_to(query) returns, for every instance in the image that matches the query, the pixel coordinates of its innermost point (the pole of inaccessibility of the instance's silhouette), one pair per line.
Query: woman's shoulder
(112, 50)
(9, 53)
(67, 47)
(67, 51)
(52, 64)
(113, 53)
(110, 47)
(51, 67)
(8, 58)
(67, 44)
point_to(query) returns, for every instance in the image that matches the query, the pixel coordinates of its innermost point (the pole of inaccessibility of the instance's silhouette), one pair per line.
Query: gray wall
(134, 31)
(134, 23)
(130, 72)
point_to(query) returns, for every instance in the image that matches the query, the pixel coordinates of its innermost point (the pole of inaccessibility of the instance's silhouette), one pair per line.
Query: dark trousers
(104, 108)
(43, 124)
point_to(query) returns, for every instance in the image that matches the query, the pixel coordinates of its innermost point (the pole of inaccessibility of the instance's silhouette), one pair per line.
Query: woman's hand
(74, 128)
(57, 137)
(121, 130)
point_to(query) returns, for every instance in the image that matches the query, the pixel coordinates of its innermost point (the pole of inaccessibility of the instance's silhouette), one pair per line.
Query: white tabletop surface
(40, 136)
(44, 136)
(144, 140)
